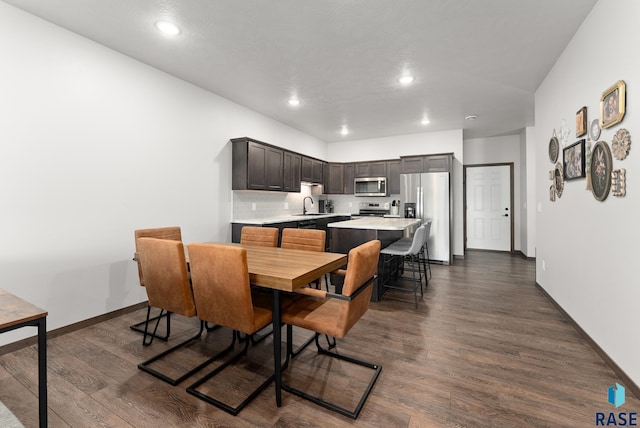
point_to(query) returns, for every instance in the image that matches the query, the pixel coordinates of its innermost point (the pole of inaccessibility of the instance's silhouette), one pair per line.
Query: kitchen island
(345, 235)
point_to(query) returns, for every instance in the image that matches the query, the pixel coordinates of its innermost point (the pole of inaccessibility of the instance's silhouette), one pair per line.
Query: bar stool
(411, 262)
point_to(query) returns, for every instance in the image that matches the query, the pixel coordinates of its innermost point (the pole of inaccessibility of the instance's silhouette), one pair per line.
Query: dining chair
(305, 239)
(223, 296)
(164, 268)
(334, 315)
(173, 233)
(411, 262)
(259, 236)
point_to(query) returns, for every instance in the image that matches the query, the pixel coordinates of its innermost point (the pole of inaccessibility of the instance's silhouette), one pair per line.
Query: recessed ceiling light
(425, 121)
(471, 117)
(168, 28)
(344, 131)
(405, 80)
(294, 102)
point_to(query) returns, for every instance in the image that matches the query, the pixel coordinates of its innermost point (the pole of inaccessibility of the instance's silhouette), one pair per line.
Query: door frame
(464, 198)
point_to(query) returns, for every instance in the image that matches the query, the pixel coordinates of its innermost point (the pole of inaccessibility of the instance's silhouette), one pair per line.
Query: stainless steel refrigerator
(431, 194)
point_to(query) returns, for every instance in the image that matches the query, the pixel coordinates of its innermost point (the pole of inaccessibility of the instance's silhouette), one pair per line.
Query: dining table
(17, 313)
(284, 270)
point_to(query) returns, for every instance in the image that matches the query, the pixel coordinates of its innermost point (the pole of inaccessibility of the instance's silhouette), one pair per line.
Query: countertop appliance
(370, 186)
(376, 209)
(430, 194)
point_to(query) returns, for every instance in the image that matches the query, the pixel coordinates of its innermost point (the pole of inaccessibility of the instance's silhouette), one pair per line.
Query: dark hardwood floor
(484, 348)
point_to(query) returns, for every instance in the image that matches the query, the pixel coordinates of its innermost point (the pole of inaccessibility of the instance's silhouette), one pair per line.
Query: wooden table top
(14, 310)
(285, 269)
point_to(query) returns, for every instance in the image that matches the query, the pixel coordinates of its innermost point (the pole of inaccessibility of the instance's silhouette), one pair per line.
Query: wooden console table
(16, 313)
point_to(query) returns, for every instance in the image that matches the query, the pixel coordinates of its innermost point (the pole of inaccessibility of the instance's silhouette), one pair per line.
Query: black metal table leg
(277, 346)
(42, 371)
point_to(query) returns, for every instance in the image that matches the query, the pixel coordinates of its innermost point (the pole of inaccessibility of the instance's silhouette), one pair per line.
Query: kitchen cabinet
(411, 164)
(393, 177)
(335, 179)
(311, 170)
(256, 165)
(427, 163)
(291, 175)
(438, 163)
(348, 177)
(371, 169)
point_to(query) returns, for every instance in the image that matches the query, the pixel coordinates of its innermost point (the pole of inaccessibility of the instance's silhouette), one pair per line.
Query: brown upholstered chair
(304, 239)
(334, 315)
(259, 236)
(171, 233)
(164, 269)
(222, 294)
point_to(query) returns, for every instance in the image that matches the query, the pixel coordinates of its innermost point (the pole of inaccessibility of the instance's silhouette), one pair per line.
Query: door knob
(505, 215)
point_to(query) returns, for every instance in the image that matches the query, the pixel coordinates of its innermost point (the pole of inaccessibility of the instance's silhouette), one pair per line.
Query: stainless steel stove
(373, 209)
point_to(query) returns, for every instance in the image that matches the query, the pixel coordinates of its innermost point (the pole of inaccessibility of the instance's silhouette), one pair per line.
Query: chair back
(303, 239)
(418, 240)
(173, 233)
(164, 266)
(427, 231)
(259, 236)
(221, 286)
(362, 264)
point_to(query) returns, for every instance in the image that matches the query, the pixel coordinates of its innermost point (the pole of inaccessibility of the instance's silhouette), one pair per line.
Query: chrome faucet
(304, 208)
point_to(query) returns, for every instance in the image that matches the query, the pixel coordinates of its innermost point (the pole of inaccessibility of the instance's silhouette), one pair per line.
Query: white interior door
(489, 207)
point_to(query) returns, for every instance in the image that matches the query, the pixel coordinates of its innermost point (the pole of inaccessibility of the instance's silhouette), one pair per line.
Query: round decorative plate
(601, 166)
(621, 143)
(594, 129)
(554, 149)
(558, 179)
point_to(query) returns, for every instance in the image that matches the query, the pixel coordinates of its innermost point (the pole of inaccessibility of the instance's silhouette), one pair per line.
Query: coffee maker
(409, 210)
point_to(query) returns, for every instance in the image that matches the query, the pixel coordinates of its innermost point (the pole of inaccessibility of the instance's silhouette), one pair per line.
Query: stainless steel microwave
(370, 186)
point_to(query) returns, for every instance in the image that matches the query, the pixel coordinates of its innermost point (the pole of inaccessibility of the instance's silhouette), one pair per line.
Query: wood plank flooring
(484, 348)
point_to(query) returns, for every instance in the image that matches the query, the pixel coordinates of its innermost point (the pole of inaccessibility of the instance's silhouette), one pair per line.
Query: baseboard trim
(20, 344)
(524, 256)
(626, 380)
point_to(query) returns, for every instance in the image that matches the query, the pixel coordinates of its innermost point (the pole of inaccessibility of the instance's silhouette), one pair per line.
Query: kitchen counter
(286, 218)
(379, 223)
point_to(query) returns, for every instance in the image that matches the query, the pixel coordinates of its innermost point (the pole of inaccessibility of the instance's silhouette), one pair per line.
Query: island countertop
(378, 223)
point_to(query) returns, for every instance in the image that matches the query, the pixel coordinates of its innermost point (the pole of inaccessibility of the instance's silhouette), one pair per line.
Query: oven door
(370, 186)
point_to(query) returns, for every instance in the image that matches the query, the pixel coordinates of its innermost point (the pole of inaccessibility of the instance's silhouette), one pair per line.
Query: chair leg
(140, 329)
(219, 404)
(327, 405)
(151, 336)
(144, 366)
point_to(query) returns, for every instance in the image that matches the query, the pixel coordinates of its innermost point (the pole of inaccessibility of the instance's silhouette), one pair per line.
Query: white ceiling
(342, 58)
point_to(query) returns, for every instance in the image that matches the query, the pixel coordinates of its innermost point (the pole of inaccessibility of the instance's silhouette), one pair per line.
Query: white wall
(589, 247)
(529, 206)
(407, 145)
(505, 149)
(95, 145)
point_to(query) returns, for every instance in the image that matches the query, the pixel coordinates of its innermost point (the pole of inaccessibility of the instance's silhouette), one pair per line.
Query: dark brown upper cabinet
(371, 169)
(256, 166)
(335, 179)
(292, 165)
(349, 176)
(311, 170)
(393, 177)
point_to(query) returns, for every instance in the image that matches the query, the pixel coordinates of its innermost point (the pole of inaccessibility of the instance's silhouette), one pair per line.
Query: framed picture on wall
(612, 105)
(573, 158)
(581, 122)
(601, 167)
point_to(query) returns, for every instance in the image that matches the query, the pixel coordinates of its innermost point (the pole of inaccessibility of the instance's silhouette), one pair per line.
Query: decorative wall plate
(621, 143)
(564, 133)
(554, 149)
(601, 167)
(558, 179)
(594, 130)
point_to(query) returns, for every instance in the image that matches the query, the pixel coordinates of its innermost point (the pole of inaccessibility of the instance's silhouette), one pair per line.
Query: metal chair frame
(317, 400)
